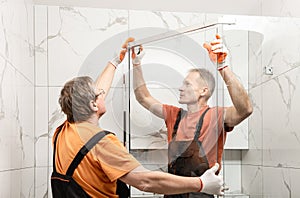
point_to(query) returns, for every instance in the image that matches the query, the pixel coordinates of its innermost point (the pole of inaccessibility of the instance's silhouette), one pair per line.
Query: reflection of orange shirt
(107, 161)
(212, 133)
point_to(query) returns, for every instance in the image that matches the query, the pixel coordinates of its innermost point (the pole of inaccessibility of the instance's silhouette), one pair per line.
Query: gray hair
(75, 98)
(207, 77)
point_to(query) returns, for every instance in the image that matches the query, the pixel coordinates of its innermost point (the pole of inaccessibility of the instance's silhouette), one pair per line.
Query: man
(197, 136)
(82, 100)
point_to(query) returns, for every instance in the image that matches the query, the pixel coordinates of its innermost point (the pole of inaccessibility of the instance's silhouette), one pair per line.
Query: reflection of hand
(212, 183)
(217, 52)
(119, 57)
(137, 55)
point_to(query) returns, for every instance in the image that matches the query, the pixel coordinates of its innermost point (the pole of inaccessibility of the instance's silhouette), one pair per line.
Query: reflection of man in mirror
(196, 136)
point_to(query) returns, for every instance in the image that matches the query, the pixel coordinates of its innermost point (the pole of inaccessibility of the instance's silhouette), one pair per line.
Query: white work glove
(212, 183)
(137, 55)
(119, 57)
(217, 52)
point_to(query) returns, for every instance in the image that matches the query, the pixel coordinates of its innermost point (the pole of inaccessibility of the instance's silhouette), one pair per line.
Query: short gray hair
(207, 77)
(75, 98)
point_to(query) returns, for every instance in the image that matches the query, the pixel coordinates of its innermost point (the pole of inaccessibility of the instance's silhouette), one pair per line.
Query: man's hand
(212, 183)
(217, 52)
(119, 57)
(137, 55)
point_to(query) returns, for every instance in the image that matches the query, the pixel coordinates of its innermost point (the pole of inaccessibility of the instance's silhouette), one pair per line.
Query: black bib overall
(187, 158)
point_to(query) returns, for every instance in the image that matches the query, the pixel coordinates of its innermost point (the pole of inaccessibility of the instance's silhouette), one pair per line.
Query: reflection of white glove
(137, 55)
(212, 183)
(120, 56)
(217, 52)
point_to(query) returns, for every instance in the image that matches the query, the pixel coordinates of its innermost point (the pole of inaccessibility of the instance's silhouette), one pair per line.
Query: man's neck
(192, 108)
(93, 120)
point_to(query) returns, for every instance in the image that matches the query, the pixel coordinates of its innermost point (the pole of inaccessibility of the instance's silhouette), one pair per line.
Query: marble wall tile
(294, 178)
(277, 50)
(16, 99)
(41, 126)
(27, 183)
(280, 120)
(252, 181)
(25, 119)
(17, 121)
(6, 181)
(254, 155)
(286, 8)
(17, 183)
(255, 59)
(231, 171)
(74, 33)
(42, 181)
(17, 32)
(41, 45)
(276, 182)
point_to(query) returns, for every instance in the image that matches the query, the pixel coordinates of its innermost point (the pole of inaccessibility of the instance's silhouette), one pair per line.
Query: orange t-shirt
(212, 134)
(107, 161)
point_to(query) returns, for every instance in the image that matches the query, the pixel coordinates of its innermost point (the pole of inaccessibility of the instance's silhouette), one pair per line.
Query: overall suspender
(180, 115)
(82, 152)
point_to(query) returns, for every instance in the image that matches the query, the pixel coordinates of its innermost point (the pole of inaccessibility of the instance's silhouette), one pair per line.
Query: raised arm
(242, 106)
(105, 79)
(141, 91)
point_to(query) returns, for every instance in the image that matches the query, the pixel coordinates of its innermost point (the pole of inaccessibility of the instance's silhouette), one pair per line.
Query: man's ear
(93, 105)
(204, 91)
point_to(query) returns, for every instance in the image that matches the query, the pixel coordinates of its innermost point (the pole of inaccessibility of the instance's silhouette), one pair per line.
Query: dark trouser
(187, 159)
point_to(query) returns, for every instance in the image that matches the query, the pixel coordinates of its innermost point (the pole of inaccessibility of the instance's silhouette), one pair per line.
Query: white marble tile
(255, 58)
(17, 32)
(42, 181)
(277, 51)
(238, 138)
(17, 120)
(253, 156)
(231, 172)
(40, 46)
(17, 183)
(164, 19)
(42, 153)
(280, 123)
(294, 178)
(276, 182)
(26, 183)
(41, 126)
(74, 33)
(252, 181)
(285, 8)
(25, 119)
(6, 181)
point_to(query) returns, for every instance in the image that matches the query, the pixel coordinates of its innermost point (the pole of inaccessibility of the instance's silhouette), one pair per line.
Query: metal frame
(173, 33)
